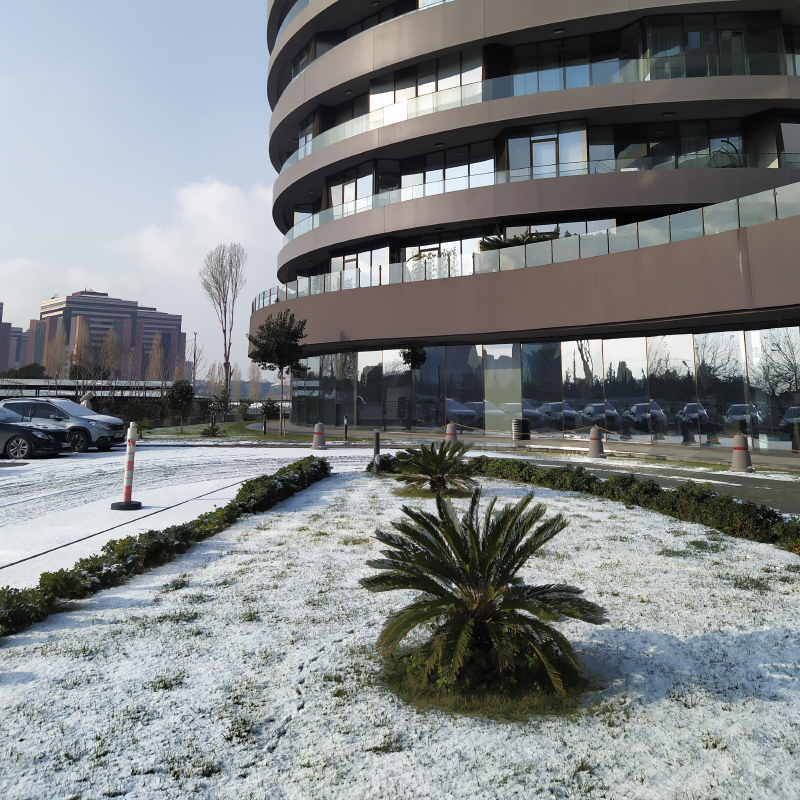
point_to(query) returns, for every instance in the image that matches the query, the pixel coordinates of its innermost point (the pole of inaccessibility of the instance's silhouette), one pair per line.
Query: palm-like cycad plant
(443, 469)
(471, 591)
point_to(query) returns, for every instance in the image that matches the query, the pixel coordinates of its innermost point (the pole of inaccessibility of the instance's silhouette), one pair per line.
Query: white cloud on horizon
(158, 265)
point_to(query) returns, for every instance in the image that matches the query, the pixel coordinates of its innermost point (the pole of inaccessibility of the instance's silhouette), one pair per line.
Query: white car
(87, 428)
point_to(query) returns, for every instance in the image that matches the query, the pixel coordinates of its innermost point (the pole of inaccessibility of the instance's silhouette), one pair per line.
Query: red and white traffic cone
(127, 487)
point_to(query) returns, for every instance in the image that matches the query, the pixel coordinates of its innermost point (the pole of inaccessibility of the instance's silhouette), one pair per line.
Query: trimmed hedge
(691, 502)
(120, 559)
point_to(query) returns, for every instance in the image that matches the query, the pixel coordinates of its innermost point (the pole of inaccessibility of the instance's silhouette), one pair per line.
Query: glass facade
(688, 389)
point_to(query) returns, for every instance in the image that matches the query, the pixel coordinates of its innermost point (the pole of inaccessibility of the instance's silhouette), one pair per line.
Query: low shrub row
(690, 502)
(120, 559)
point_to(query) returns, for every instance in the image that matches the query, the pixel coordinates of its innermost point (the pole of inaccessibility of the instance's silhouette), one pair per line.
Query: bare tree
(236, 383)
(56, 358)
(214, 380)
(254, 383)
(198, 361)
(222, 278)
(83, 361)
(156, 368)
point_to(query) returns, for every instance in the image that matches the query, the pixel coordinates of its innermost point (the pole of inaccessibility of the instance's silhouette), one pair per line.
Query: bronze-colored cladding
(657, 189)
(611, 104)
(738, 277)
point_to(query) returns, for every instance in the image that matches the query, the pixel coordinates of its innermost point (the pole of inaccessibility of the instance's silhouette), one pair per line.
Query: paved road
(781, 492)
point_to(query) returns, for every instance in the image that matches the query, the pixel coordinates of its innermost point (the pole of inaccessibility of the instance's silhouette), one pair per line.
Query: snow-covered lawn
(245, 670)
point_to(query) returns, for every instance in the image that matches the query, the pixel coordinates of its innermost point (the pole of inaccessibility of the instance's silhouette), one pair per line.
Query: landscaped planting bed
(245, 668)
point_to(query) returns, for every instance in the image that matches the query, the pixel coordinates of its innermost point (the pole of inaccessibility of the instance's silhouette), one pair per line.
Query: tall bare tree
(254, 383)
(222, 278)
(156, 366)
(56, 357)
(236, 384)
(198, 361)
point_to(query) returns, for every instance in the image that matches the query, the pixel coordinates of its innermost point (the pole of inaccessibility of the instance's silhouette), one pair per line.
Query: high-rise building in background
(93, 322)
(13, 345)
(571, 213)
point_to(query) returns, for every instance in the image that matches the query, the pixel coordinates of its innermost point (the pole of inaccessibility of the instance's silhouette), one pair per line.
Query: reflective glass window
(653, 232)
(449, 72)
(757, 208)
(773, 368)
(582, 379)
(542, 388)
(551, 71)
(428, 389)
(312, 381)
(327, 394)
(426, 78)
(471, 66)
(396, 391)
(346, 365)
(502, 386)
(722, 384)
(686, 225)
(381, 92)
(369, 389)
(625, 383)
(299, 395)
(671, 378)
(721, 217)
(464, 399)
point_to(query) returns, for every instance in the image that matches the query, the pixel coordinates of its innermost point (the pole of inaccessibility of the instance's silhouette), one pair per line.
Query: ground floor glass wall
(692, 389)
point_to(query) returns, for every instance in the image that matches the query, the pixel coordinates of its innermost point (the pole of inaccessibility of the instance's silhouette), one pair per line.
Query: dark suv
(87, 428)
(20, 439)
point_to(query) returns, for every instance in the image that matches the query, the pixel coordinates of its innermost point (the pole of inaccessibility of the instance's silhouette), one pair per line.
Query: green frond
(400, 624)
(457, 639)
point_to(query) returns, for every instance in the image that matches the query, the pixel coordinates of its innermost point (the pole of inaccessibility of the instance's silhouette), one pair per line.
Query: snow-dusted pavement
(54, 503)
(245, 670)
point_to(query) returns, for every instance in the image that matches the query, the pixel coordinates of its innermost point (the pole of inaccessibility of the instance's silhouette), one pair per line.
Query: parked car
(460, 414)
(88, 429)
(790, 419)
(695, 417)
(524, 410)
(738, 418)
(561, 416)
(20, 439)
(645, 417)
(489, 415)
(604, 415)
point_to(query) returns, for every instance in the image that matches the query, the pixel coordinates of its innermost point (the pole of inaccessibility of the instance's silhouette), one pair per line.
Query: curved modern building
(573, 213)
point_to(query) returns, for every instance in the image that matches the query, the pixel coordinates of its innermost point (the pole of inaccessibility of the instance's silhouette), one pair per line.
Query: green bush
(441, 469)
(120, 559)
(690, 502)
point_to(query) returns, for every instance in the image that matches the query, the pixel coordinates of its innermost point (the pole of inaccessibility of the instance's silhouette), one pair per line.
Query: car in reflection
(738, 419)
(645, 417)
(561, 416)
(20, 439)
(790, 419)
(460, 414)
(604, 416)
(524, 410)
(695, 417)
(489, 415)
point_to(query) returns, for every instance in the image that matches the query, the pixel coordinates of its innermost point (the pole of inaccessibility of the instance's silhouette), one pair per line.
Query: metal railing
(591, 74)
(718, 160)
(754, 209)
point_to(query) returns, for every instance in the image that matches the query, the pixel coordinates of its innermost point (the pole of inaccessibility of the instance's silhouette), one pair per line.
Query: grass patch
(517, 704)
(672, 553)
(165, 683)
(705, 546)
(353, 541)
(749, 584)
(232, 431)
(420, 494)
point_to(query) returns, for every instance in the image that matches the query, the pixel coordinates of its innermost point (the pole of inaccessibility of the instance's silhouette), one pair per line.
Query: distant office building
(87, 317)
(13, 345)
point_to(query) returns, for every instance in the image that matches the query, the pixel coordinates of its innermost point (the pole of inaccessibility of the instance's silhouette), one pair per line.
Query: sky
(133, 140)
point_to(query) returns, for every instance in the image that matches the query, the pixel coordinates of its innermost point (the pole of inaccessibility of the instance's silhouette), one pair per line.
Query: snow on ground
(245, 670)
(49, 503)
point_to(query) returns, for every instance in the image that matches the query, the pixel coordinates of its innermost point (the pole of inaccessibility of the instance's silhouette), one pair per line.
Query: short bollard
(596, 443)
(376, 452)
(127, 487)
(450, 433)
(319, 437)
(741, 455)
(345, 428)
(688, 434)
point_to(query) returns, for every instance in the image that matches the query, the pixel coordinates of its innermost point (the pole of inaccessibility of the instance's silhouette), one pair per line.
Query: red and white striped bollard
(127, 486)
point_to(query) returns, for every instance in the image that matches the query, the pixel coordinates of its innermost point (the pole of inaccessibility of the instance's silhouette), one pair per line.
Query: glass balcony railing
(718, 160)
(593, 74)
(754, 209)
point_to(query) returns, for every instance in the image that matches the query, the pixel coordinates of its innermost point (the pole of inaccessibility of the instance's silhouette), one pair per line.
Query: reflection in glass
(327, 394)
(312, 391)
(625, 374)
(582, 378)
(299, 395)
(541, 387)
(773, 369)
(722, 384)
(671, 378)
(502, 387)
(346, 364)
(428, 384)
(368, 396)
(396, 391)
(464, 400)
